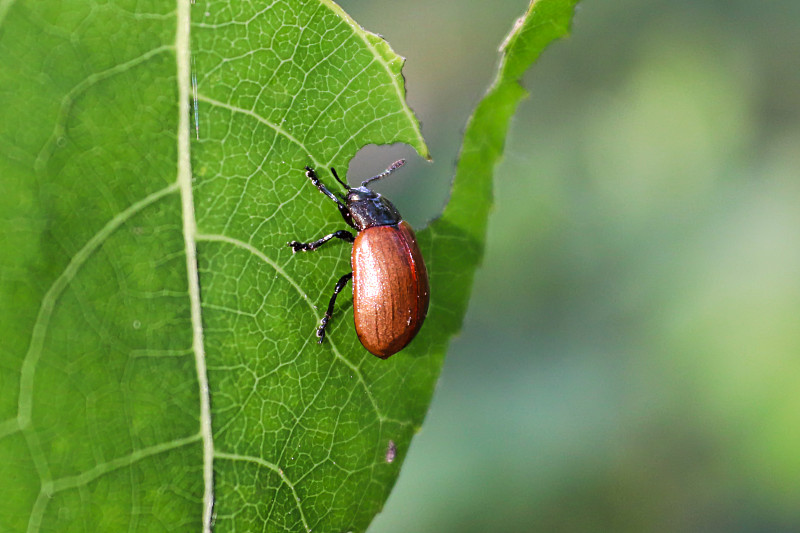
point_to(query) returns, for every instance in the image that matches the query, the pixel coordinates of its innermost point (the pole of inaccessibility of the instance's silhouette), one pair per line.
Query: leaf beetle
(390, 281)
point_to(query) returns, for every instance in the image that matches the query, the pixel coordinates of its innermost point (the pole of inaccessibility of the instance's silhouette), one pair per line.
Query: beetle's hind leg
(324, 322)
(309, 246)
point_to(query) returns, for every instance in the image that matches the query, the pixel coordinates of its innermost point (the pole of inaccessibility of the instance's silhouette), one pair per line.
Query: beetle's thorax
(368, 209)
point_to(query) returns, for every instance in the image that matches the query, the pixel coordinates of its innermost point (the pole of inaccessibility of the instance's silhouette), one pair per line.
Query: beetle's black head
(368, 208)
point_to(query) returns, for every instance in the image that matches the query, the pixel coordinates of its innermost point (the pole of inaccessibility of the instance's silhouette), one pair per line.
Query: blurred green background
(631, 357)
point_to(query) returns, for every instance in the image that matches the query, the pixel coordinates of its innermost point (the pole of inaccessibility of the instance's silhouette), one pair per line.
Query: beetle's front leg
(309, 246)
(324, 322)
(343, 209)
(312, 175)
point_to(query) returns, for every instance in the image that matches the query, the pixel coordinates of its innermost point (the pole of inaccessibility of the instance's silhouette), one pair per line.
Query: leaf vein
(259, 118)
(69, 98)
(86, 477)
(271, 466)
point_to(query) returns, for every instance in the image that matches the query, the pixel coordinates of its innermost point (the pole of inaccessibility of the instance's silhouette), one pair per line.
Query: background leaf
(106, 366)
(454, 242)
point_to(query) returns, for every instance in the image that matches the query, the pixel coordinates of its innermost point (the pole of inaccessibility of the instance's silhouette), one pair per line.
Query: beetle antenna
(335, 175)
(394, 166)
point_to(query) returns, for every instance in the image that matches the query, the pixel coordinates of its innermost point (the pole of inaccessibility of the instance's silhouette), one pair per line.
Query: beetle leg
(310, 174)
(309, 246)
(343, 209)
(324, 322)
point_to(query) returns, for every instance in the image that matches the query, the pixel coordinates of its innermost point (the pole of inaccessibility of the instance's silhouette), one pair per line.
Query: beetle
(390, 281)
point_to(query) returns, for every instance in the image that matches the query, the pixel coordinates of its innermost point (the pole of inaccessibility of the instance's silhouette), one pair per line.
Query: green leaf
(454, 243)
(158, 350)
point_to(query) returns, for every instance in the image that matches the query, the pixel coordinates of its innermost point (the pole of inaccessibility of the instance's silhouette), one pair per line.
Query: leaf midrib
(184, 170)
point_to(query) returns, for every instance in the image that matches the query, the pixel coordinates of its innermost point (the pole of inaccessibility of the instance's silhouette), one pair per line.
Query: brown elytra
(390, 288)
